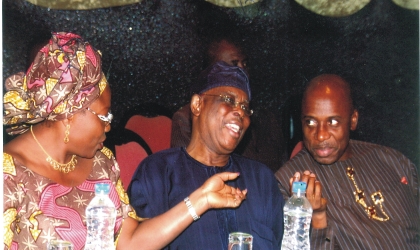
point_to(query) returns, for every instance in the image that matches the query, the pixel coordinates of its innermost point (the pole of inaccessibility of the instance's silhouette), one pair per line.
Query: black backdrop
(152, 52)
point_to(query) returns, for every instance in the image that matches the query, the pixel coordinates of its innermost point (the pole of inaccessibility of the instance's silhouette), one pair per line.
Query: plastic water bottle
(297, 219)
(100, 220)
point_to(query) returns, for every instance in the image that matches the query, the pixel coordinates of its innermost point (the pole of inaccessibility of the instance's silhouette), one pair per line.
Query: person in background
(220, 117)
(364, 195)
(60, 111)
(259, 143)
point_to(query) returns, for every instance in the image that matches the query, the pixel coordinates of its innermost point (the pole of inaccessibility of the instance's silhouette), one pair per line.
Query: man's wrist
(191, 209)
(319, 220)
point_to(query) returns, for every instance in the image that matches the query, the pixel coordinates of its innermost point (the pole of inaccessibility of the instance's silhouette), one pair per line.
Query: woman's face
(87, 130)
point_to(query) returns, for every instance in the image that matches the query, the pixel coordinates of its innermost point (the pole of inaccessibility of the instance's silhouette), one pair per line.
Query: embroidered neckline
(376, 197)
(219, 168)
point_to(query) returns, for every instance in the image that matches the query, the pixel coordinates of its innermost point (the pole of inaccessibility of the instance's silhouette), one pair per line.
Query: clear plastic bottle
(100, 220)
(297, 219)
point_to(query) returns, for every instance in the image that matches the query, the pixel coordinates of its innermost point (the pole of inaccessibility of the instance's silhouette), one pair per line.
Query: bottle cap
(102, 188)
(299, 186)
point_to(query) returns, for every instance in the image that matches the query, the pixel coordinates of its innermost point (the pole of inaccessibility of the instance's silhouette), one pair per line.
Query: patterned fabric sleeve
(322, 238)
(127, 209)
(9, 209)
(416, 185)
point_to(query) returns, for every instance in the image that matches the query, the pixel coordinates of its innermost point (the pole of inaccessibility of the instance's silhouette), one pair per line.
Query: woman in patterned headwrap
(60, 111)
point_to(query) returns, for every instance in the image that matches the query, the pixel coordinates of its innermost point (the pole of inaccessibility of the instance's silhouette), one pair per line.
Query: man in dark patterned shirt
(364, 196)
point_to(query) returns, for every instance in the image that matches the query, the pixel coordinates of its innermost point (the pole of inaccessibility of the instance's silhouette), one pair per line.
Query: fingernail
(312, 175)
(306, 172)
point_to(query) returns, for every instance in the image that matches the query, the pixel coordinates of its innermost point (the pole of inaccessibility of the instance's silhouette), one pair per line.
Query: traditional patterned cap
(65, 77)
(222, 74)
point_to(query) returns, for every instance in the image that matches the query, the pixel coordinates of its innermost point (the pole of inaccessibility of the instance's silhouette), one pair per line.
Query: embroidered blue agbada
(165, 178)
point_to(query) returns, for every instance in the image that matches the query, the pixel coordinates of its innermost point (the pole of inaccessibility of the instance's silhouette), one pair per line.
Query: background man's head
(226, 50)
(328, 116)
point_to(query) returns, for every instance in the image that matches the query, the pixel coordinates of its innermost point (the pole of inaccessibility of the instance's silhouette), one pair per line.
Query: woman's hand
(220, 195)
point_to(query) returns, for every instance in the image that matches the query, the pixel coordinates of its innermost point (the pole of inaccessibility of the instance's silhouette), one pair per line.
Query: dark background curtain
(153, 51)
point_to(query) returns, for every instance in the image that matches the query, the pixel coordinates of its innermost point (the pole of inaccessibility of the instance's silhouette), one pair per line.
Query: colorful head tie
(65, 77)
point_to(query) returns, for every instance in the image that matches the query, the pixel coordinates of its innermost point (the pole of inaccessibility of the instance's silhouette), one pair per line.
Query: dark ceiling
(153, 50)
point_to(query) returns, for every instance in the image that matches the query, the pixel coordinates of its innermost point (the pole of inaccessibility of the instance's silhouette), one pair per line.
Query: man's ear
(354, 119)
(196, 103)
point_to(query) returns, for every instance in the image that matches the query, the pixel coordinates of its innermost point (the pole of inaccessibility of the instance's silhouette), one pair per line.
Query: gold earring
(67, 132)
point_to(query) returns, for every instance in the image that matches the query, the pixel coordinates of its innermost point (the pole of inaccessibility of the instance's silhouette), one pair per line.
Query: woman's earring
(67, 132)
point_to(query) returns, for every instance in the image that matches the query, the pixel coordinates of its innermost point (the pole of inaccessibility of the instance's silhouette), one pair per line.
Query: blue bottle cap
(102, 188)
(299, 186)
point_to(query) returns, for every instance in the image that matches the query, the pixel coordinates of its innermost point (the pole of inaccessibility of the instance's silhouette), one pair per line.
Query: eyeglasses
(230, 100)
(107, 119)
